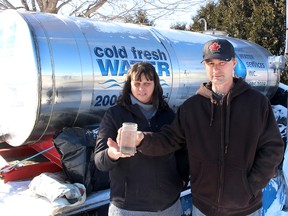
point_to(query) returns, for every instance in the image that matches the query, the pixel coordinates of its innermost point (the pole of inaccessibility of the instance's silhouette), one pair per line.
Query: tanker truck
(59, 71)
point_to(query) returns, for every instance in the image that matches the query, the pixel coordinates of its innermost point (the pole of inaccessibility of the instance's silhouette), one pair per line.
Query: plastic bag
(76, 146)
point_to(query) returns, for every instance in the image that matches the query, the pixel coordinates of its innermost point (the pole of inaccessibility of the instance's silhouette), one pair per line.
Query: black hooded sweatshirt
(234, 147)
(141, 182)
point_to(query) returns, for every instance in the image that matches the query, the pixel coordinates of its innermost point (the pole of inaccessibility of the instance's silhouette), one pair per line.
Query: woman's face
(142, 90)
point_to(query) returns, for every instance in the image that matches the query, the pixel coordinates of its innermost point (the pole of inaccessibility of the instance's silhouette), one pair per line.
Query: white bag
(57, 191)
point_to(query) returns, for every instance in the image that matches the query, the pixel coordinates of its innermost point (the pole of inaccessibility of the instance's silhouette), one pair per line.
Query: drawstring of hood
(206, 91)
(227, 122)
(212, 111)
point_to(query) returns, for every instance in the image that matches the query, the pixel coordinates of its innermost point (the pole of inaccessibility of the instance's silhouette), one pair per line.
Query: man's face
(220, 72)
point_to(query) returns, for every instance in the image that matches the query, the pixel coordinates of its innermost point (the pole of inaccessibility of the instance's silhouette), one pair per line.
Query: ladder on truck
(19, 170)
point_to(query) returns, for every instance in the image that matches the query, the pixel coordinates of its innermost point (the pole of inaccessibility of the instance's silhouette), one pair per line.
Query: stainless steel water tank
(61, 71)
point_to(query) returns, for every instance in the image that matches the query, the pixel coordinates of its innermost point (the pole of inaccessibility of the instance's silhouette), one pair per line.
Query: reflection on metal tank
(64, 71)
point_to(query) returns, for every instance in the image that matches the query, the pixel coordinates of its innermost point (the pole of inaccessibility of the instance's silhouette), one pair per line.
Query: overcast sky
(183, 16)
(177, 17)
(164, 22)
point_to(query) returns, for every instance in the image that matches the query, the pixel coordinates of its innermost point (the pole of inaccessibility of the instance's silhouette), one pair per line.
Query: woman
(141, 185)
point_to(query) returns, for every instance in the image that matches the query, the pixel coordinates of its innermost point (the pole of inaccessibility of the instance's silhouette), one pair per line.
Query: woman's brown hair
(150, 73)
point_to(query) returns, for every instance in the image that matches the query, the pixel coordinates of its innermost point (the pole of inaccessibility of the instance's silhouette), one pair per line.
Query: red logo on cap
(214, 47)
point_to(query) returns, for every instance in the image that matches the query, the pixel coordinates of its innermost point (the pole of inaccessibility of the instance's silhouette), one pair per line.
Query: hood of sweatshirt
(205, 90)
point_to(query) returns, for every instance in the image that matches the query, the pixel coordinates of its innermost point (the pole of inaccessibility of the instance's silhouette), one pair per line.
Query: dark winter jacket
(234, 147)
(141, 183)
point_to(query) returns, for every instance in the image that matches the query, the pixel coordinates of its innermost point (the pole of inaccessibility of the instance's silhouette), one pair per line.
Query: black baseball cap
(220, 49)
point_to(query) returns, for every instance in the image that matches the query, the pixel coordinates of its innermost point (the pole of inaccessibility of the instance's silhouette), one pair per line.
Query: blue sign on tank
(240, 68)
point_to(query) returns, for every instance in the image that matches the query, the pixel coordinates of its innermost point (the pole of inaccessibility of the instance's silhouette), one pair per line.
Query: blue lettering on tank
(163, 67)
(124, 67)
(108, 66)
(115, 61)
(120, 67)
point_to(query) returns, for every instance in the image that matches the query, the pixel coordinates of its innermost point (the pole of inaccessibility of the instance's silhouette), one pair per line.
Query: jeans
(197, 212)
(175, 210)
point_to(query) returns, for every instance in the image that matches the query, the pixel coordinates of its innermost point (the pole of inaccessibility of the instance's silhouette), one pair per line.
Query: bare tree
(105, 9)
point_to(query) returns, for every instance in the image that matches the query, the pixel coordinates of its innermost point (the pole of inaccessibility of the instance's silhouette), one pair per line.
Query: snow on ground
(275, 194)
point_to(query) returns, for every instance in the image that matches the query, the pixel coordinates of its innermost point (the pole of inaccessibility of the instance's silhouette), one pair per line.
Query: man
(233, 140)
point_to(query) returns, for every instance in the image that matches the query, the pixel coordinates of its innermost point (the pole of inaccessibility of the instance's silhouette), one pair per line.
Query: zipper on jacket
(226, 149)
(221, 152)
(149, 124)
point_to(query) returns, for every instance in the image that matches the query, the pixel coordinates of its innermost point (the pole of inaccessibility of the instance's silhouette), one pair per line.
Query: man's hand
(139, 137)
